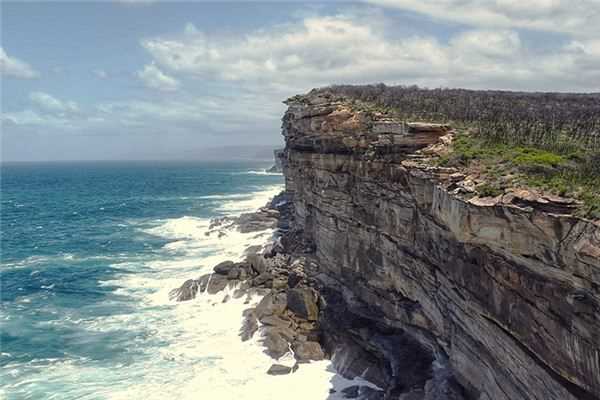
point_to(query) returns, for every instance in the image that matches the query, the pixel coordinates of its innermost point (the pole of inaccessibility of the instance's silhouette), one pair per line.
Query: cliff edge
(428, 289)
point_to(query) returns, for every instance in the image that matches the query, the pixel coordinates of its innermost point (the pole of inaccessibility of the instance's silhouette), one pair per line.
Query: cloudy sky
(161, 80)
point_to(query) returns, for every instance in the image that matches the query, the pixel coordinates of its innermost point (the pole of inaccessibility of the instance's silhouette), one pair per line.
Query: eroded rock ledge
(503, 293)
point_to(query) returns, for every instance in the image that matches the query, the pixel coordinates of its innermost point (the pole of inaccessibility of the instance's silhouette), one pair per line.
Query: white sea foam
(259, 199)
(263, 172)
(190, 349)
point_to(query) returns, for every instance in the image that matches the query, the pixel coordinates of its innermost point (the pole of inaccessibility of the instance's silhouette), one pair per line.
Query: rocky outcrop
(424, 288)
(278, 155)
(286, 317)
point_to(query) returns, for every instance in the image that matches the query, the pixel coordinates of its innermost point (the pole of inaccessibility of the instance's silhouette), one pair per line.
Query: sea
(89, 253)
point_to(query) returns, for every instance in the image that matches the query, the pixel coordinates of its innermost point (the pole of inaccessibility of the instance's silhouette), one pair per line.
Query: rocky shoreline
(285, 275)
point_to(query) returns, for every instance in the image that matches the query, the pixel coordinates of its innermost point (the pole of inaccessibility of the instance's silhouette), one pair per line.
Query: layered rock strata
(426, 289)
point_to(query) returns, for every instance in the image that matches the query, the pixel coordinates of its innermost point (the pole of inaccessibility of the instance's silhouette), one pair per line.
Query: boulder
(186, 292)
(257, 262)
(224, 267)
(249, 324)
(264, 279)
(216, 283)
(302, 302)
(275, 344)
(234, 273)
(278, 369)
(271, 304)
(307, 351)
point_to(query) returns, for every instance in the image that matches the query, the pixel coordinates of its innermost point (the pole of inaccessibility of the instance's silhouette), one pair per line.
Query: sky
(148, 80)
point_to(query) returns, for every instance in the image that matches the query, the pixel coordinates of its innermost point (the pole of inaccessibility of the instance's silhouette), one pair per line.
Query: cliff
(278, 166)
(426, 291)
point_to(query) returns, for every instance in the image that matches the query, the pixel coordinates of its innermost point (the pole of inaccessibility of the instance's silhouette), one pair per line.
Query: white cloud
(11, 66)
(154, 78)
(51, 104)
(207, 113)
(575, 17)
(318, 51)
(30, 117)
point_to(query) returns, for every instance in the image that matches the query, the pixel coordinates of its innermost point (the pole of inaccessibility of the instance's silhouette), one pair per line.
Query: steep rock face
(503, 294)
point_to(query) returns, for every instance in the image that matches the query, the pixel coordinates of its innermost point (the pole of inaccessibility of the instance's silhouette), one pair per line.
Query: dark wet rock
(257, 263)
(307, 351)
(416, 394)
(294, 278)
(303, 303)
(368, 393)
(260, 220)
(186, 292)
(279, 284)
(216, 283)
(276, 340)
(249, 324)
(224, 267)
(234, 273)
(272, 304)
(351, 392)
(313, 335)
(264, 279)
(278, 369)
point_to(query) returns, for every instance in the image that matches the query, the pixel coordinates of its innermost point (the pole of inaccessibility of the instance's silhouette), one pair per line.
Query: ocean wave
(259, 172)
(180, 228)
(37, 260)
(257, 200)
(188, 348)
(226, 196)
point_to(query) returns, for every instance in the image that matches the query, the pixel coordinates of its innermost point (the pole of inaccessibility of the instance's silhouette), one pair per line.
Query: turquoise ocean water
(89, 252)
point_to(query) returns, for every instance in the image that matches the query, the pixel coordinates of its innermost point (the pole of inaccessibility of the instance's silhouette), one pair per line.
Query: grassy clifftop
(545, 141)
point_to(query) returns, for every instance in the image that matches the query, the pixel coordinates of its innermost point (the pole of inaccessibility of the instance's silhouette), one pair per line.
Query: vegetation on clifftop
(559, 122)
(548, 141)
(504, 166)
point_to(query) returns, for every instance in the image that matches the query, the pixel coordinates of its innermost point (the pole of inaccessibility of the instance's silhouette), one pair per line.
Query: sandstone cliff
(429, 293)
